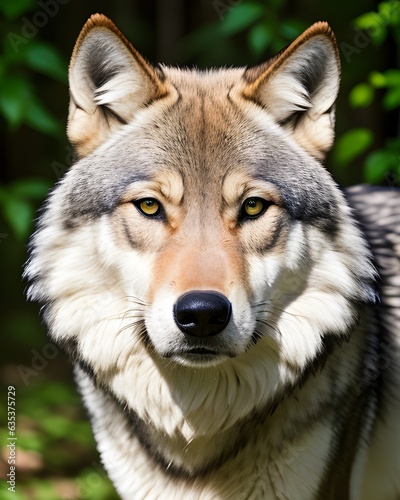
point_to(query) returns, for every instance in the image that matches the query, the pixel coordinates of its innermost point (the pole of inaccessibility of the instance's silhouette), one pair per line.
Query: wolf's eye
(252, 208)
(148, 206)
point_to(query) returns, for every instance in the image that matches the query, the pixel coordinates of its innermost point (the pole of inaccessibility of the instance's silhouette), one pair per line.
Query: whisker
(137, 300)
(132, 326)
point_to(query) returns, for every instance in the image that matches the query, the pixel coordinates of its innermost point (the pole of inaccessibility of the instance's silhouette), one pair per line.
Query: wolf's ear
(298, 87)
(109, 82)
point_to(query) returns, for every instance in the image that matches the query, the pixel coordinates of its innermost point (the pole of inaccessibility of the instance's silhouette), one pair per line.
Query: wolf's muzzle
(202, 313)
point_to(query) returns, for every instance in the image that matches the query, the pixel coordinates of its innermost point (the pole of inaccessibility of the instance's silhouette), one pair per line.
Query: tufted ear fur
(109, 83)
(298, 87)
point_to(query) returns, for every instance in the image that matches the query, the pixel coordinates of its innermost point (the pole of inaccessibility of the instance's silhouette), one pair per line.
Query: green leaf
(16, 204)
(378, 164)
(389, 13)
(392, 77)
(391, 99)
(351, 145)
(43, 490)
(32, 442)
(259, 38)
(368, 19)
(40, 119)
(32, 189)
(56, 393)
(93, 484)
(44, 58)
(372, 23)
(82, 433)
(12, 9)
(11, 495)
(19, 214)
(19, 104)
(241, 17)
(15, 92)
(57, 426)
(377, 79)
(361, 95)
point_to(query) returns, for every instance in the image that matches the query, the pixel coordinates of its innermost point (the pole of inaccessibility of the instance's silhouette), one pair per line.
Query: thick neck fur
(208, 437)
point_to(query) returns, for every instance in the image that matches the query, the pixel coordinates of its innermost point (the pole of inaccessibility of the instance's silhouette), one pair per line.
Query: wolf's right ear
(299, 86)
(109, 83)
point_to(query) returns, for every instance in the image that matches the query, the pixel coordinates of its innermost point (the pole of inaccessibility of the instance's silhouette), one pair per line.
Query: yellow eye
(149, 206)
(253, 207)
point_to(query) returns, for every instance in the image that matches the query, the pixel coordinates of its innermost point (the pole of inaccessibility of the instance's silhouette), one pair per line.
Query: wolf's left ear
(298, 87)
(109, 83)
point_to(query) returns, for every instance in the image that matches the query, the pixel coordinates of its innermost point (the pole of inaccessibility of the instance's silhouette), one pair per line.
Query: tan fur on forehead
(171, 186)
(167, 183)
(193, 80)
(239, 184)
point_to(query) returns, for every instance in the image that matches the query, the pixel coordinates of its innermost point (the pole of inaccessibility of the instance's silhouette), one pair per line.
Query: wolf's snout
(202, 314)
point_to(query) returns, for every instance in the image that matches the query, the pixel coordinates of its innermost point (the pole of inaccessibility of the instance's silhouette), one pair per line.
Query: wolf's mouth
(202, 350)
(193, 352)
(198, 356)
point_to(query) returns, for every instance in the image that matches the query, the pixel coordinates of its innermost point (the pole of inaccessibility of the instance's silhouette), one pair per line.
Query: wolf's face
(198, 235)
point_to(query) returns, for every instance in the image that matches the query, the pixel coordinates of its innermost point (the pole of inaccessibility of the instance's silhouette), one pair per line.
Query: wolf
(232, 315)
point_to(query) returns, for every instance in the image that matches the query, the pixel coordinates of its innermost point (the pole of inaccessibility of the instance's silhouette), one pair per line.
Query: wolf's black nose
(202, 314)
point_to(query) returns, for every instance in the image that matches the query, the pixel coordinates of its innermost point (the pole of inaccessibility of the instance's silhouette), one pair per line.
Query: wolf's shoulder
(377, 209)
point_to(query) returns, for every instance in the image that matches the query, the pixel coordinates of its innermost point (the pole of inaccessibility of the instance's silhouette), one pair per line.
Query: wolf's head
(198, 256)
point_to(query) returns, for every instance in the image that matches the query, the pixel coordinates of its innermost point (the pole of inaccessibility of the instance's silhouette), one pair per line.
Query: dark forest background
(56, 453)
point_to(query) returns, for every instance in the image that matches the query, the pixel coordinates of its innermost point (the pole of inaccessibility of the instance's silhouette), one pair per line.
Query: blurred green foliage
(18, 203)
(263, 24)
(381, 164)
(21, 104)
(19, 100)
